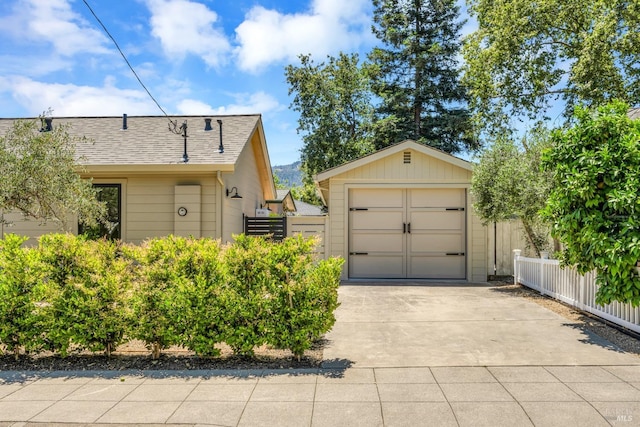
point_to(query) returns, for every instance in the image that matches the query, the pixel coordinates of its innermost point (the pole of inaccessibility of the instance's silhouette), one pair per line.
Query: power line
(126, 60)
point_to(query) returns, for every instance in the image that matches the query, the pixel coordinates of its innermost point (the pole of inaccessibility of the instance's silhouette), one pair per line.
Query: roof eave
(177, 168)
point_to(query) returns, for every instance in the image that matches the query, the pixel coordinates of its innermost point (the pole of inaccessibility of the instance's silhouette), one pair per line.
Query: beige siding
(149, 206)
(247, 180)
(17, 224)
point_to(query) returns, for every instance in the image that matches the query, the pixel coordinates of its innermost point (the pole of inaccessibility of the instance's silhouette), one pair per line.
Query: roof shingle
(148, 140)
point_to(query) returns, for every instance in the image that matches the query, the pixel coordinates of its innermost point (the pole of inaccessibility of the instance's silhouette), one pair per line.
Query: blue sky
(195, 56)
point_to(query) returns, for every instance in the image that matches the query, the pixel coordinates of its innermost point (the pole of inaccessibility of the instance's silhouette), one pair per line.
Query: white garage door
(407, 233)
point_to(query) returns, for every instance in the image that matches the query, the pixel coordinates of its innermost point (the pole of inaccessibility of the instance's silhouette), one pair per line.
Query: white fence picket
(568, 286)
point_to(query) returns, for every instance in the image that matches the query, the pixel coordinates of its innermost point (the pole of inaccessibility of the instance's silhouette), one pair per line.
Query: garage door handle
(358, 209)
(455, 254)
(454, 209)
(358, 253)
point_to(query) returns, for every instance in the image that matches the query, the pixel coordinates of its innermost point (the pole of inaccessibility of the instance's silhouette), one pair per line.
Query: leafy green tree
(39, 171)
(333, 100)
(508, 183)
(594, 205)
(528, 55)
(416, 75)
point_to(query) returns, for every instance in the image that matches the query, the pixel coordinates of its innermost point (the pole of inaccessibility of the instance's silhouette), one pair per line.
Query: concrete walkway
(398, 355)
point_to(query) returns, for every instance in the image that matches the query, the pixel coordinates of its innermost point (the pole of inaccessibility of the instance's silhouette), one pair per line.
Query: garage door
(407, 233)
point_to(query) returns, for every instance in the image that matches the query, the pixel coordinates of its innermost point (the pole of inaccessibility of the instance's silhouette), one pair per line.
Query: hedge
(74, 294)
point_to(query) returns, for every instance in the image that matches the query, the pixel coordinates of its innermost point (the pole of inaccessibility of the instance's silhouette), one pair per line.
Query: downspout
(220, 204)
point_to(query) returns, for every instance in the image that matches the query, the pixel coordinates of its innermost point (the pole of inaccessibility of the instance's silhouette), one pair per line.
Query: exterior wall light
(234, 190)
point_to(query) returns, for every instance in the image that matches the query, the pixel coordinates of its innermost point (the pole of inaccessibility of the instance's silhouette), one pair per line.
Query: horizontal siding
(150, 206)
(17, 224)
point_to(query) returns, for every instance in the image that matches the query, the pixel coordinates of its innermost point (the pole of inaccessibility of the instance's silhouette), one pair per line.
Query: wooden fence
(311, 226)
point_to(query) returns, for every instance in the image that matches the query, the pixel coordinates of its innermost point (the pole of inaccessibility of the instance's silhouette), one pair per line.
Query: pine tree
(416, 75)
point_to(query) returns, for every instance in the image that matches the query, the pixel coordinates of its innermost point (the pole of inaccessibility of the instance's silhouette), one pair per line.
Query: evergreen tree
(416, 75)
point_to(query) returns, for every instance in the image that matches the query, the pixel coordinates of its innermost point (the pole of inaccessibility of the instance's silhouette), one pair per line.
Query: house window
(111, 195)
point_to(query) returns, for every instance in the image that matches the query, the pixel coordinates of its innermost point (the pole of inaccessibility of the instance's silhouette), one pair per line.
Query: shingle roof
(148, 141)
(634, 113)
(307, 209)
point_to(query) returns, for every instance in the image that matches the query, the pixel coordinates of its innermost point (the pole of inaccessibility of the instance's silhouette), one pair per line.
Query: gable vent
(407, 157)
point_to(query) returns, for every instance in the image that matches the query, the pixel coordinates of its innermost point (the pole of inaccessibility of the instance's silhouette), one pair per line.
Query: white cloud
(53, 22)
(267, 36)
(185, 27)
(72, 100)
(255, 103)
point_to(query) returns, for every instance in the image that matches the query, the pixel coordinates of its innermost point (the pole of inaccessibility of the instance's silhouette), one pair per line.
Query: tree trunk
(530, 236)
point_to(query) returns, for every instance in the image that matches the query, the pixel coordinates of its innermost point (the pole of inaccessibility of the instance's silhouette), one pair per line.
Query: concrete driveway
(394, 324)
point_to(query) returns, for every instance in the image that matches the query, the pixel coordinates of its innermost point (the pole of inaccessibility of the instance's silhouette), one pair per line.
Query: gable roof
(148, 140)
(393, 149)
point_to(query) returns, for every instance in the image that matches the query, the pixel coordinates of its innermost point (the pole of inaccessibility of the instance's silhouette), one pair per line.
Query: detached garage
(404, 213)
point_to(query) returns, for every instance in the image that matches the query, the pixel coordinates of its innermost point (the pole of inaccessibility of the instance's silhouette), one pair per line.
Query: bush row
(70, 294)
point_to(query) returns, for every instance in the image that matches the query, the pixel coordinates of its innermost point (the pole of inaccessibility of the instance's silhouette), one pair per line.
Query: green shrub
(89, 290)
(71, 293)
(246, 298)
(176, 301)
(21, 307)
(306, 297)
(200, 317)
(277, 294)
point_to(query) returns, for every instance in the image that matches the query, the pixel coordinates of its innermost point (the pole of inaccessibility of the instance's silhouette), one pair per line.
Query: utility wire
(126, 60)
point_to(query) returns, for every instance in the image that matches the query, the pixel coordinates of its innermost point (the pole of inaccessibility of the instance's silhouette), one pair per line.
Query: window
(111, 194)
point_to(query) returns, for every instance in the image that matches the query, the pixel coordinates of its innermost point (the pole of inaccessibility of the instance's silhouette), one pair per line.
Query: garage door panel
(437, 220)
(437, 198)
(437, 243)
(376, 220)
(377, 198)
(433, 247)
(378, 243)
(371, 266)
(437, 267)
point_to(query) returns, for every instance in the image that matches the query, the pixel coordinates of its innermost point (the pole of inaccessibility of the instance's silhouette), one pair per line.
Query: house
(182, 175)
(404, 212)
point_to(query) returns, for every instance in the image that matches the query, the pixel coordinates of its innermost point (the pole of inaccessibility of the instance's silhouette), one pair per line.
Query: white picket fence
(566, 285)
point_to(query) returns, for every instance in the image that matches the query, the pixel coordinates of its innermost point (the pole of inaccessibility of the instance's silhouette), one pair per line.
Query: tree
(526, 56)
(40, 178)
(333, 100)
(416, 75)
(507, 183)
(594, 206)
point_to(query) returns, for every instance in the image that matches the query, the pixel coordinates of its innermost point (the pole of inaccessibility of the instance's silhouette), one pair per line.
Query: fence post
(543, 279)
(516, 270)
(581, 292)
